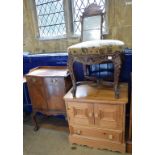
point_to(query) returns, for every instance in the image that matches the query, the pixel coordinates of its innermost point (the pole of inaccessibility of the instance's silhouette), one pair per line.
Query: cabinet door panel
(54, 89)
(36, 92)
(80, 113)
(108, 116)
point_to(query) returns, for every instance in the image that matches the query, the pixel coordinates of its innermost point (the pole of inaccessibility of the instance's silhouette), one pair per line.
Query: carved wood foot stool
(95, 52)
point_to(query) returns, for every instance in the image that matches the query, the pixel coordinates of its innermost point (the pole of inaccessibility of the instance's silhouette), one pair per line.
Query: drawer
(110, 135)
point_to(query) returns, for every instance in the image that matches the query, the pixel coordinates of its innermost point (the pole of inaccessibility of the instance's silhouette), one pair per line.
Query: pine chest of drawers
(96, 118)
(47, 85)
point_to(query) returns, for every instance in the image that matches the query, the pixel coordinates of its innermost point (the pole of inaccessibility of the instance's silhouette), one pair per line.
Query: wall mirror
(92, 28)
(91, 23)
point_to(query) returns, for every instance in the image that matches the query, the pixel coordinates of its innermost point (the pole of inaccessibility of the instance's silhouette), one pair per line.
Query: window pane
(51, 20)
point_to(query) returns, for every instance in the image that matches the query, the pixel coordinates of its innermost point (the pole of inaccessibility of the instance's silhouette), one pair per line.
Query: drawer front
(80, 113)
(54, 90)
(109, 116)
(115, 136)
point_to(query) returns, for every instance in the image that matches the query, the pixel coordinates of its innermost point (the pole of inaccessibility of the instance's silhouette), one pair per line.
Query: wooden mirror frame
(90, 11)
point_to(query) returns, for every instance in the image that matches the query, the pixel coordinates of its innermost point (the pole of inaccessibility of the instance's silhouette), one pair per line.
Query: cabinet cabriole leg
(36, 127)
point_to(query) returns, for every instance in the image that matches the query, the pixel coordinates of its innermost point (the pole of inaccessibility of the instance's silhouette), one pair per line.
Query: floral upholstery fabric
(96, 47)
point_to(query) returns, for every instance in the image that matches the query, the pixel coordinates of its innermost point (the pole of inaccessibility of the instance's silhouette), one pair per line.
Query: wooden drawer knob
(90, 114)
(78, 132)
(110, 136)
(68, 108)
(96, 115)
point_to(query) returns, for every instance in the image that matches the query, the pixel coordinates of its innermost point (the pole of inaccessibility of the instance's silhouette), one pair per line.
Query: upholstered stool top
(96, 47)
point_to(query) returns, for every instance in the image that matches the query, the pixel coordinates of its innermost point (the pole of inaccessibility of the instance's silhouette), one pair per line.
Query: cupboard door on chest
(80, 113)
(36, 92)
(54, 88)
(108, 116)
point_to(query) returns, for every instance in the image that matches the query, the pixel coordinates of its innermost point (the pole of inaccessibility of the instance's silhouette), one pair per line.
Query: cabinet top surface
(49, 71)
(98, 94)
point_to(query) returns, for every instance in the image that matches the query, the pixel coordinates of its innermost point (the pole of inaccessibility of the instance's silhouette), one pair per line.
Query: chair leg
(36, 127)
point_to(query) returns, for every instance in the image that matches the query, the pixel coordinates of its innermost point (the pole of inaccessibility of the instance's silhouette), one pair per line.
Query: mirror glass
(92, 28)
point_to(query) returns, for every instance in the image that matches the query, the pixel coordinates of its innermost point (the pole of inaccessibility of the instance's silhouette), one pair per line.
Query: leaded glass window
(51, 22)
(55, 22)
(79, 6)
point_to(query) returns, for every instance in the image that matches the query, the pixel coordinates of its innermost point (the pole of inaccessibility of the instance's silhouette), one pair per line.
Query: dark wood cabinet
(47, 85)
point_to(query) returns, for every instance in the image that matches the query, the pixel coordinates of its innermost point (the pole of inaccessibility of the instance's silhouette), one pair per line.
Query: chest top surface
(99, 94)
(49, 71)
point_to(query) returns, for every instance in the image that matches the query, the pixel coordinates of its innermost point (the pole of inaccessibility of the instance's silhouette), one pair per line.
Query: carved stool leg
(71, 71)
(85, 71)
(117, 67)
(74, 90)
(116, 89)
(36, 127)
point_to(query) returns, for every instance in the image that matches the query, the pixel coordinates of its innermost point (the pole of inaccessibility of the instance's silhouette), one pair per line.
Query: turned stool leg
(71, 71)
(36, 127)
(117, 68)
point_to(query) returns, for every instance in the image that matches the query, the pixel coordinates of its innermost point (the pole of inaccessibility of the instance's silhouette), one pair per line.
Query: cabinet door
(36, 92)
(54, 89)
(109, 116)
(80, 113)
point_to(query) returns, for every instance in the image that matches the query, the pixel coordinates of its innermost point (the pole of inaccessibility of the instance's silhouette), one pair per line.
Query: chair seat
(96, 47)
